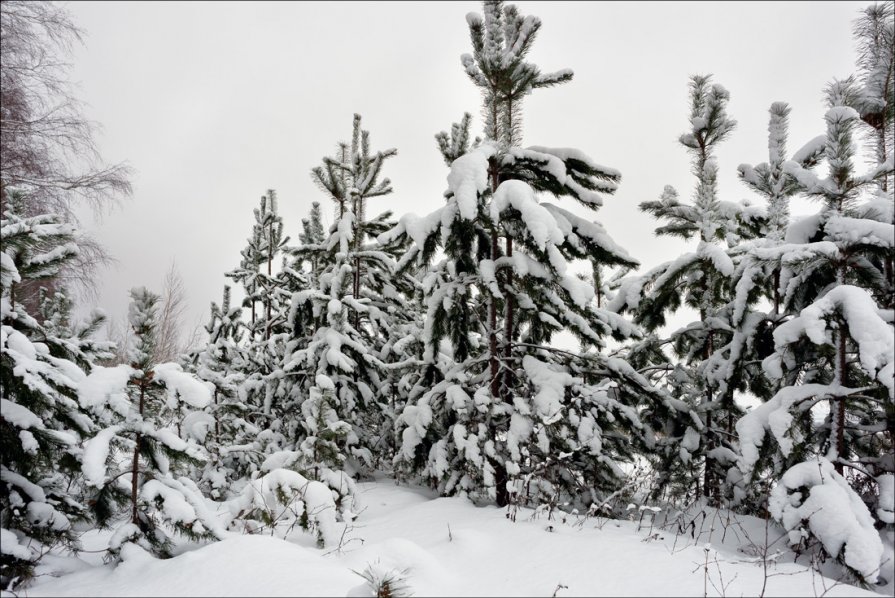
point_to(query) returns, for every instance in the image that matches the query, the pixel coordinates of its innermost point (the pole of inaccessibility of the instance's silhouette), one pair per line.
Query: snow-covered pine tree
(41, 422)
(312, 233)
(874, 96)
(247, 275)
(332, 369)
(272, 249)
(874, 99)
(756, 282)
(267, 294)
(513, 419)
(130, 464)
(836, 347)
(770, 181)
(223, 427)
(701, 280)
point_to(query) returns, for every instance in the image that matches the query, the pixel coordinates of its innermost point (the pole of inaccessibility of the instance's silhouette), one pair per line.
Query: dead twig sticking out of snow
(708, 577)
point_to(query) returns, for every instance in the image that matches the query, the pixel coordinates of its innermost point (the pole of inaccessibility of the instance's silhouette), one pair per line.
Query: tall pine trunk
(710, 484)
(838, 406)
(358, 214)
(502, 495)
(493, 358)
(508, 323)
(267, 298)
(135, 472)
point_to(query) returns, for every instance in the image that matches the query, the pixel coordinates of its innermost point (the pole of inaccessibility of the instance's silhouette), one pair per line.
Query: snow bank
(449, 547)
(250, 565)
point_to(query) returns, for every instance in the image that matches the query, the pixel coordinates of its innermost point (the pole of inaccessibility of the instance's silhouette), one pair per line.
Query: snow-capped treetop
(769, 179)
(500, 41)
(141, 316)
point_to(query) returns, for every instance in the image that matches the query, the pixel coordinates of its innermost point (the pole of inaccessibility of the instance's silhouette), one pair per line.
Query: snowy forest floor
(449, 547)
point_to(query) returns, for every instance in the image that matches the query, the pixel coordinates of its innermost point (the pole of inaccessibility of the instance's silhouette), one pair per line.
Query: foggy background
(214, 103)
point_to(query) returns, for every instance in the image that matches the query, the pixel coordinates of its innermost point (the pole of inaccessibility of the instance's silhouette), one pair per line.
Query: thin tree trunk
(135, 472)
(881, 144)
(358, 214)
(709, 487)
(253, 318)
(217, 418)
(508, 324)
(492, 307)
(708, 481)
(492, 334)
(838, 406)
(267, 298)
(502, 495)
(776, 291)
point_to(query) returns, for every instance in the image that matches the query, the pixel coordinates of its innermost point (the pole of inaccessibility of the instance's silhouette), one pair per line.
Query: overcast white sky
(214, 103)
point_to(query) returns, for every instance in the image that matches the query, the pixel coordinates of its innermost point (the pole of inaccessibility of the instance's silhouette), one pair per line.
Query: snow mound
(238, 566)
(834, 513)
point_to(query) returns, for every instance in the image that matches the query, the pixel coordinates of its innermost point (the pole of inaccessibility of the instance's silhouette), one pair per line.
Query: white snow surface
(449, 547)
(571, 153)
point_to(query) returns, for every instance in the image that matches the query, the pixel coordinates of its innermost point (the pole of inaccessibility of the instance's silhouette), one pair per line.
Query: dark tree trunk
(267, 296)
(839, 406)
(492, 307)
(492, 333)
(508, 324)
(500, 479)
(135, 472)
(710, 485)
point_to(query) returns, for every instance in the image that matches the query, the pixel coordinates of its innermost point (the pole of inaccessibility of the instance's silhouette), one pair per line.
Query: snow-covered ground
(449, 547)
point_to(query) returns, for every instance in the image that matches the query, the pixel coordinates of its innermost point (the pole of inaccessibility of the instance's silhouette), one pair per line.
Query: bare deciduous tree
(174, 337)
(47, 148)
(171, 339)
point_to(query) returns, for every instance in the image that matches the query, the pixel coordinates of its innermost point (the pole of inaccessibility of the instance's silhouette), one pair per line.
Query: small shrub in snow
(386, 582)
(285, 496)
